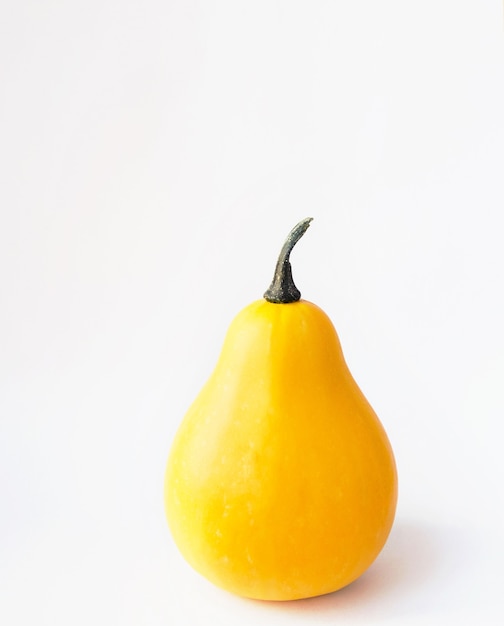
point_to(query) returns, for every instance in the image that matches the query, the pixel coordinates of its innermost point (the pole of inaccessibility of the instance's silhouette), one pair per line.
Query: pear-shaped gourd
(281, 482)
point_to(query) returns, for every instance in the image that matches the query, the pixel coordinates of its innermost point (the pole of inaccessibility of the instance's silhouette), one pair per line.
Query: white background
(153, 156)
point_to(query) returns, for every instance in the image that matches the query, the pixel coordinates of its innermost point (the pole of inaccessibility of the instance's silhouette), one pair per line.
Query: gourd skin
(281, 482)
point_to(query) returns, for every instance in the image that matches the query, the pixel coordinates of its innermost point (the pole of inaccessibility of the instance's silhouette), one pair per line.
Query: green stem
(282, 289)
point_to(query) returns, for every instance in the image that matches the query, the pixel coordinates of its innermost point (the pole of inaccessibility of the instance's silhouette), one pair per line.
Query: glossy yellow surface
(281, 482)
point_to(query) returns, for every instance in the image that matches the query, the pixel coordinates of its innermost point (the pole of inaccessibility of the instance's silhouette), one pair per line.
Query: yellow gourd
(281, 482)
